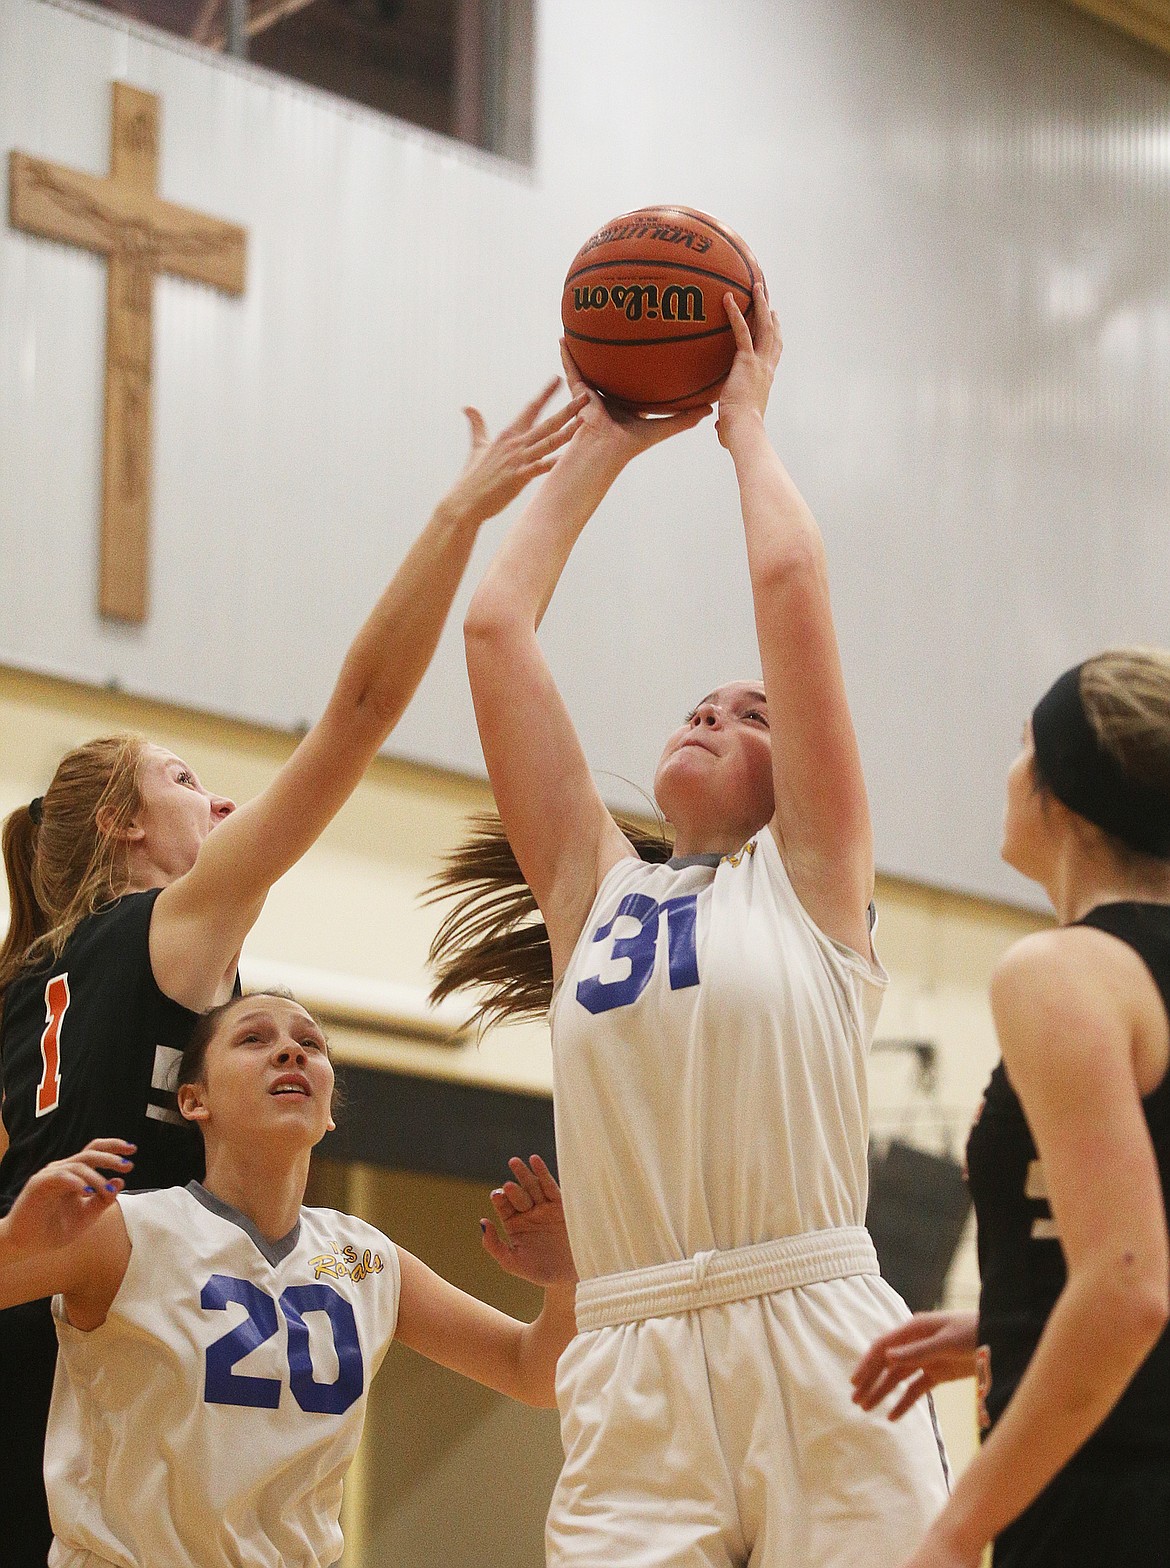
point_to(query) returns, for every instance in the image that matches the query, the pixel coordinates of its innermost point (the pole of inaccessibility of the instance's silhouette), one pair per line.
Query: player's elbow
(485, 618)
(789, 564)
(493, 621)
(1151, 1309)
(1136, 1303)
(538, 1394)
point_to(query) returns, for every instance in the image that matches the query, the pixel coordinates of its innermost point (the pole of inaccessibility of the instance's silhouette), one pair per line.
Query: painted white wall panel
(963, 212)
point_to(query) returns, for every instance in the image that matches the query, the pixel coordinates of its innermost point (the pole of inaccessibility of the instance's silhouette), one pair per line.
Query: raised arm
(560, 831)
(1068, 1048)
(822, 823)
(458, 1331)
(64, 1233)
(201, 920)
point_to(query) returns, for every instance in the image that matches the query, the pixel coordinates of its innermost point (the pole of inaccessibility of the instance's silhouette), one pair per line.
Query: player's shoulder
(343, 1247)
(325, 1223)
(1064, 966)
(159, 1215)
(123, 917)
(121, 927)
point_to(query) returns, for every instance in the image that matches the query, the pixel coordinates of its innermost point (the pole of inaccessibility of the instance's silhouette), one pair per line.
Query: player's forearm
(1074, 1379)
(781, 533)
(391, 652)
(23, 1273)
(542, 1344)
(520, 582)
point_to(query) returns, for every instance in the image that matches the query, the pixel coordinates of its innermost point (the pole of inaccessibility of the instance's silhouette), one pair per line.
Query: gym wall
(961, 208)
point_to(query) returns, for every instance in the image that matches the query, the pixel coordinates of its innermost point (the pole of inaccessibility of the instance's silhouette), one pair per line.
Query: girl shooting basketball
(1069, 1160)
(159, 1450)
(132, 889)
(710, 1024)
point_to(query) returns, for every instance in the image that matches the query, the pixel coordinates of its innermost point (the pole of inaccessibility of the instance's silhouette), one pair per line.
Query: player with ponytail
(711, 1002)
(132, 888)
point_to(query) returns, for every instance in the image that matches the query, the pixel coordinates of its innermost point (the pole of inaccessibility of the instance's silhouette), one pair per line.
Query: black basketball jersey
(1021, 1262)
(88, 1045)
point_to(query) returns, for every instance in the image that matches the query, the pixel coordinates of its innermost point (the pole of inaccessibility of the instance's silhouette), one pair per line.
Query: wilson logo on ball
(643, 307)
(678, 301)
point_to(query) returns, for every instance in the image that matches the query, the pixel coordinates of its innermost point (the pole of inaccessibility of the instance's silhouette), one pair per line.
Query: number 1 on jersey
(56, 1006)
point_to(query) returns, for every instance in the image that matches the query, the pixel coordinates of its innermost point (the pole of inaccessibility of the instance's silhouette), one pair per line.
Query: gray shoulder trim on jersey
(273, 1252)
(680, 862)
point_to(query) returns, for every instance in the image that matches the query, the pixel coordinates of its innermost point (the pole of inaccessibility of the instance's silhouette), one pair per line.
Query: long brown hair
(68, 860)
(493, 939)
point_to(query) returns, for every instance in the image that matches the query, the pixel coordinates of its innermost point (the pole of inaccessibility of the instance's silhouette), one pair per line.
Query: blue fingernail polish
(110, 1187)
(87, 1189)
(483, 1226)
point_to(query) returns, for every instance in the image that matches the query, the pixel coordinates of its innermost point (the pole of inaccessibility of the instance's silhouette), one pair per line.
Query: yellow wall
(448, 1472)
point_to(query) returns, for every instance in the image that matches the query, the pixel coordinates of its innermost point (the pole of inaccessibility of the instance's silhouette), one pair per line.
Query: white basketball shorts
(707, 1421)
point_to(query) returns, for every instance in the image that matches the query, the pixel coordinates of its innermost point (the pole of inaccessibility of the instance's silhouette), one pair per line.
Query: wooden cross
(122, 217)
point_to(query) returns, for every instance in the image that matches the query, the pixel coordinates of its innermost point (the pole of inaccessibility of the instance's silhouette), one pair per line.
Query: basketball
(643, 307)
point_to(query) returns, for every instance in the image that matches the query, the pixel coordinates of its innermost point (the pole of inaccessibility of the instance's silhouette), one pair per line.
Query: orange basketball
(643, 307)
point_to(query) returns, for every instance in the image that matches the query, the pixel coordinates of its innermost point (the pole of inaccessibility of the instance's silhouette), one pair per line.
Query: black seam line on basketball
(683, 337)
(714, 228)
(725, 236)
(675, 266)
(658, 402)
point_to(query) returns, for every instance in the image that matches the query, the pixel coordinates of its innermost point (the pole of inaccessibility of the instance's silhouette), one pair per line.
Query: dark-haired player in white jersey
(218, 1340)
(132, 889)
(709, 1030)
(1069, 1161)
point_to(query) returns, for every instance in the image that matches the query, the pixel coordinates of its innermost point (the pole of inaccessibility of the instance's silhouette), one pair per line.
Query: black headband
(1086, 778)
(36, 810)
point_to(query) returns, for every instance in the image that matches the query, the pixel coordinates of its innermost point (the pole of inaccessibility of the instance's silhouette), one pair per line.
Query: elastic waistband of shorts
(711, 1279)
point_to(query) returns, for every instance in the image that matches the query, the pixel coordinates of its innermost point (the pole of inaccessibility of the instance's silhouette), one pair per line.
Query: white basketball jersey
(209, 1422)
(709, 1050)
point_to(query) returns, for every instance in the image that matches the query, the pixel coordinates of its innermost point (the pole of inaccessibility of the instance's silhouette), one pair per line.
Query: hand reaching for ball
(498, 469)
(619, 430)
(757, 353)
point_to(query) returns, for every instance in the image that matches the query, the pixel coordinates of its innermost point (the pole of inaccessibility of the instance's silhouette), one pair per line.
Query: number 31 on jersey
(637, 948)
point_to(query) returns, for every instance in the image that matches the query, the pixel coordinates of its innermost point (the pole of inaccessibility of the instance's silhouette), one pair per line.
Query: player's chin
(682, 771)
(297, 1111)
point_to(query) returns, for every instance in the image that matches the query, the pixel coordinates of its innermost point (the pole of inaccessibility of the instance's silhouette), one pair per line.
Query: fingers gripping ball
(643, 307)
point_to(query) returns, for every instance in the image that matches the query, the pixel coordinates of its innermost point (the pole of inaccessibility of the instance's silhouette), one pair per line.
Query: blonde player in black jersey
(132, 888)
(710, 1026)
(218, 1340)
(1069, 1161)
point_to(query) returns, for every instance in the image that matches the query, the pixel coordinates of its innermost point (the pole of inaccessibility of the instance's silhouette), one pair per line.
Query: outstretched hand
(930, 1348)
(757, 353)
(61, 1201)
(535, 1244)
(497, 470)
(618, 429)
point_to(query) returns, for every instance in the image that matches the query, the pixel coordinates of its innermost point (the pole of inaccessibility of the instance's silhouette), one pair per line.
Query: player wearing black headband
(1069, 1160)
